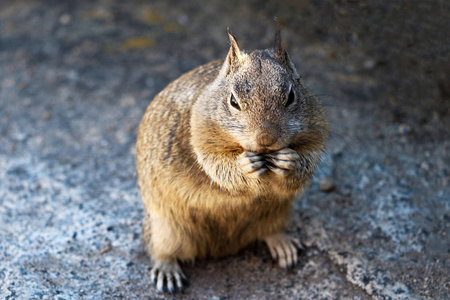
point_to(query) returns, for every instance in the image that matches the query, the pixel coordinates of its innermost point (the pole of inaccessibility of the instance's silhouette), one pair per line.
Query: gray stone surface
(76, 77)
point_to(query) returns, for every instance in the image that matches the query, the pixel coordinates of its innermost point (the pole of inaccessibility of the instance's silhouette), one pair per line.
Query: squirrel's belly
(225, 231)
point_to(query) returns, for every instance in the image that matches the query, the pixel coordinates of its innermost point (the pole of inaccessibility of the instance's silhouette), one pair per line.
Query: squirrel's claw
(284, 249)
(252, 164)
(167, 275)
(283, 161)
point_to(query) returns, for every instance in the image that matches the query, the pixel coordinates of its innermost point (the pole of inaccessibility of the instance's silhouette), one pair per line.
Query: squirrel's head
(260, 104)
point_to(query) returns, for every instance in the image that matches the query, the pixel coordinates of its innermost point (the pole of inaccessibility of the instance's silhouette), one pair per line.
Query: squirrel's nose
(265, 139)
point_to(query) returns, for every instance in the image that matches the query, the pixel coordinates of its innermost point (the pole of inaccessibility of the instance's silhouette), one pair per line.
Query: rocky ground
(76, 77)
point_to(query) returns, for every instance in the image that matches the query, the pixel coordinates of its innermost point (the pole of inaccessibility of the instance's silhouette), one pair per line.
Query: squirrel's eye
(234, 102)
(291, 98)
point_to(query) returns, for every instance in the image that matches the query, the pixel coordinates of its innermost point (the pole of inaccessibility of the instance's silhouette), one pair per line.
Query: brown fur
(198, 200)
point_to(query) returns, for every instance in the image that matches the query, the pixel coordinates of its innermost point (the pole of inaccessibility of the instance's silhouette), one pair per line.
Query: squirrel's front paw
(283, 161)
(283, 248)
(252, 164)
(167, 275)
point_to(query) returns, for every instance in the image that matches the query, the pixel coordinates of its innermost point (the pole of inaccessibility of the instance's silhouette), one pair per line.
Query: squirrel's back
(163, 136)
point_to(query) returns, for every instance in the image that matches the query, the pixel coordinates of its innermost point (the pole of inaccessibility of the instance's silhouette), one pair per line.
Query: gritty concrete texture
(76, 77)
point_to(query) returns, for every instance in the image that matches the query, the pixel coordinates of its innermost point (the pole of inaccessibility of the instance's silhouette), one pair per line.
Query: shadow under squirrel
(221, 153)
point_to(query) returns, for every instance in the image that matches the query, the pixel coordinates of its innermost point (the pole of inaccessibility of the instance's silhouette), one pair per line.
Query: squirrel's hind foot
(283, 249)
(168, 276)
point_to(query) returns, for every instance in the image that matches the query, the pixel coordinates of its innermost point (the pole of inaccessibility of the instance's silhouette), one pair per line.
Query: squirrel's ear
(233, 55)
(280, 53)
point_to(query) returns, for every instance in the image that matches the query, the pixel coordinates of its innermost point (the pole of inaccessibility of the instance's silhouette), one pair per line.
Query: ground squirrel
(221, 153)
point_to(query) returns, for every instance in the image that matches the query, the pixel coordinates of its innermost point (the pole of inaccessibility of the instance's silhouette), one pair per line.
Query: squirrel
(221, 153)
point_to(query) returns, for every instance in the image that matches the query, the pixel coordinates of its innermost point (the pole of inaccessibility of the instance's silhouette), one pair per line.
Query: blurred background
(76, 77)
